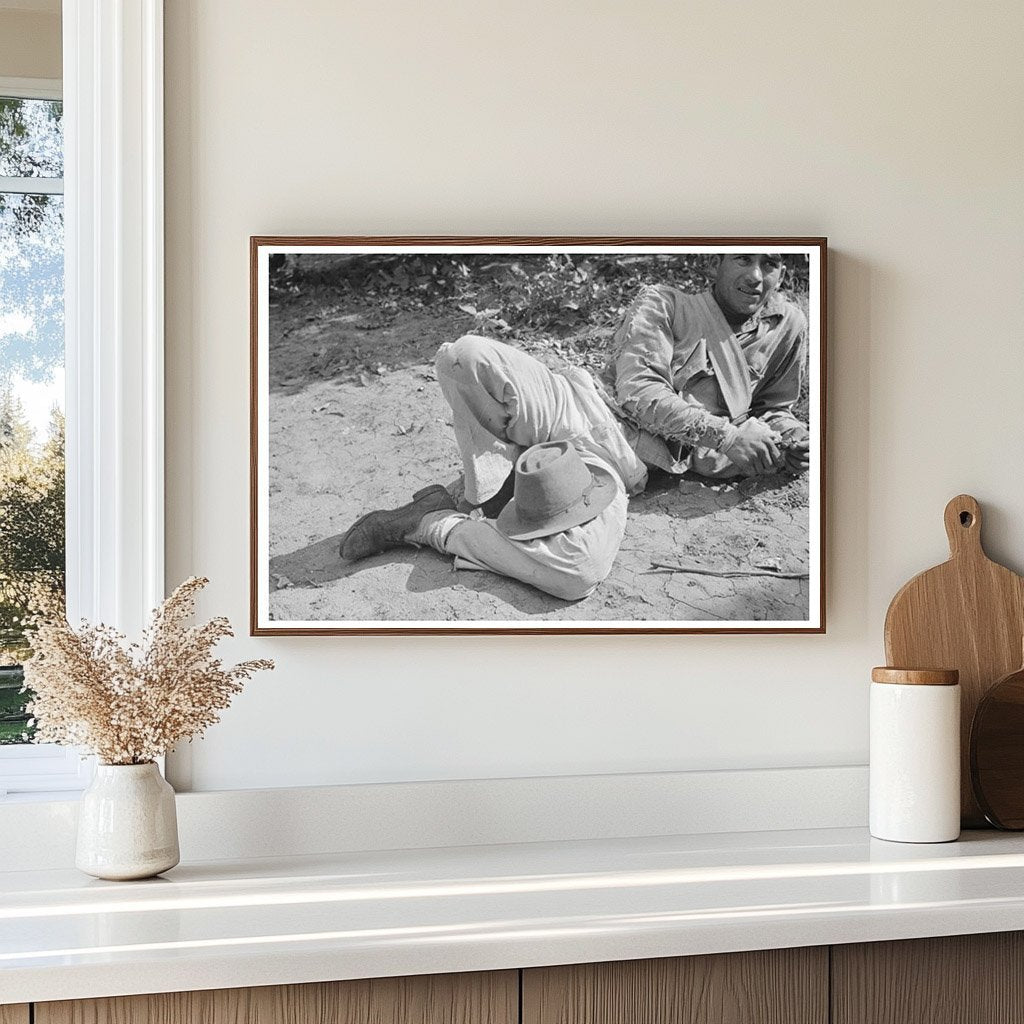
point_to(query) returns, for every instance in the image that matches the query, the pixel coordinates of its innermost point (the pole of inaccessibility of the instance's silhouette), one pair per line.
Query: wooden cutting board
(967, 614)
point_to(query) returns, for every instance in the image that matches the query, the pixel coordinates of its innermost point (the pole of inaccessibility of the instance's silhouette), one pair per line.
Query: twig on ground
(664, 567)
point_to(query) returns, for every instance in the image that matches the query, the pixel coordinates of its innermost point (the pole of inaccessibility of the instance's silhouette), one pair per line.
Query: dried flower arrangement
(129, 704)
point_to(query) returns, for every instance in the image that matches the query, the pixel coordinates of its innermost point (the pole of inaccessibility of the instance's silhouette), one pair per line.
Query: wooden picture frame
(348, 415)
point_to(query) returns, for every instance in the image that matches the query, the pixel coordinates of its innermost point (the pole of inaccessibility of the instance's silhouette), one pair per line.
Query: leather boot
(387, 528)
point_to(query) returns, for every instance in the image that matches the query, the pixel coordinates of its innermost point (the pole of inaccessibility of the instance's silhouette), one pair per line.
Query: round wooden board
(997, 752)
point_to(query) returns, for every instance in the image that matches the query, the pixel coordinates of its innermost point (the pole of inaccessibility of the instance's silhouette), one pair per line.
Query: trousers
(504, 401)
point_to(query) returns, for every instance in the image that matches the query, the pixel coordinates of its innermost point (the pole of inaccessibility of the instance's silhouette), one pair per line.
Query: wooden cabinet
(967, 979)
(962, 979)
(491, 998)
(777, 986)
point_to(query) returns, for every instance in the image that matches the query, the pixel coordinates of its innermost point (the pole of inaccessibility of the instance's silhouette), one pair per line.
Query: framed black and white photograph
(537, 435)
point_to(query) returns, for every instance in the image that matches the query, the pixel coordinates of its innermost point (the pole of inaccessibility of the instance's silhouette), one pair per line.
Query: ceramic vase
(127, 825)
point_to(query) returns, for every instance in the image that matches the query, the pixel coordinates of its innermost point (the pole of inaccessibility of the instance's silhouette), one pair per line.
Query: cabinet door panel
(484, 998)
(960, 979)
(778, 986)
(14, 1014)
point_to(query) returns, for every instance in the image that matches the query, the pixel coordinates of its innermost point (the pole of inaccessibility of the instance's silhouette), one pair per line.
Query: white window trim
(42, 768)
(32, 88)
(31, 186)
(113, 169)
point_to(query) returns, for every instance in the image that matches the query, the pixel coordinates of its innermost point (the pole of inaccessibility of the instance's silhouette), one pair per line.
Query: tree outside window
(32, 541)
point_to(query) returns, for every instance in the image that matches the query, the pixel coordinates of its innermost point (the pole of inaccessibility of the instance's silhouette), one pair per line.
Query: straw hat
(554, 491)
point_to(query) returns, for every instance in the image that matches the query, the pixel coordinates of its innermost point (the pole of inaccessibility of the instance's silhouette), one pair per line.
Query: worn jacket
(661, 376)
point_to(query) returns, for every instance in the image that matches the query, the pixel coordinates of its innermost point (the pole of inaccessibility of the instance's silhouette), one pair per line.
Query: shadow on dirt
(521, 596)
(318, 564)
(693, 497)
(310, 566)
(315, 338)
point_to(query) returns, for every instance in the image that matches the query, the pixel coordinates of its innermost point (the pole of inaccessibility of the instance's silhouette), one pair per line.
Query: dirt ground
(358, 422)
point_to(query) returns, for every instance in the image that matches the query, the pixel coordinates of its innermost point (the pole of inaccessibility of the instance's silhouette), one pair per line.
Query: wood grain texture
(997, 752)
(967, 614)
(915, 676)
(14, 1014)
(777, 986)
(481, 998)
(961, 979)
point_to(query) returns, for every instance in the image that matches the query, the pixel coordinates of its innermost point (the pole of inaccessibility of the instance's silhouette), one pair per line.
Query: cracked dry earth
(343, 445)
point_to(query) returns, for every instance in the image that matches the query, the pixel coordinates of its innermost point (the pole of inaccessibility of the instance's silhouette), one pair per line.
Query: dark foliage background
(518, 296)
(32, 549)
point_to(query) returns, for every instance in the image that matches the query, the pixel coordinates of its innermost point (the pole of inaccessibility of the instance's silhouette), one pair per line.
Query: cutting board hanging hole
(963, 526)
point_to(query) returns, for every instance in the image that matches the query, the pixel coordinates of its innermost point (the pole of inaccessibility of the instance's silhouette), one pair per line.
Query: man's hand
(754, 451)
(796, 450)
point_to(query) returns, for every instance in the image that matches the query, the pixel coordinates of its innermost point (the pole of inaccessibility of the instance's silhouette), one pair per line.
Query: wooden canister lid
(916, 676)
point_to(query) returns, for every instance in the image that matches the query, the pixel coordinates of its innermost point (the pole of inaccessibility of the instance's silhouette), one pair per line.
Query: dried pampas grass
(130, 703)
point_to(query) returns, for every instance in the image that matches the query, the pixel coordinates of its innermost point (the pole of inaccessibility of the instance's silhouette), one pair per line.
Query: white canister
(915, 755)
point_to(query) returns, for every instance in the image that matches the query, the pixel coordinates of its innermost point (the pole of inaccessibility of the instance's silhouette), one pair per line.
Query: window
(32, 531)
(31, 382)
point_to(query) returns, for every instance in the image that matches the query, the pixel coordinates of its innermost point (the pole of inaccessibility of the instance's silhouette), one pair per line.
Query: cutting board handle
(963, 526)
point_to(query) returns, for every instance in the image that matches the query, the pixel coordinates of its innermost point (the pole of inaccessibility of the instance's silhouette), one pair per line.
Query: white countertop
(227, 924)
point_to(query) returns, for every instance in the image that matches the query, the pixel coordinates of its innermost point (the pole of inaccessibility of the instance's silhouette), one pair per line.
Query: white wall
(895, 129)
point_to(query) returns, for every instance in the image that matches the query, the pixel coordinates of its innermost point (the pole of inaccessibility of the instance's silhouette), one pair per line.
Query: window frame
(112, 90)
(32, 88)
